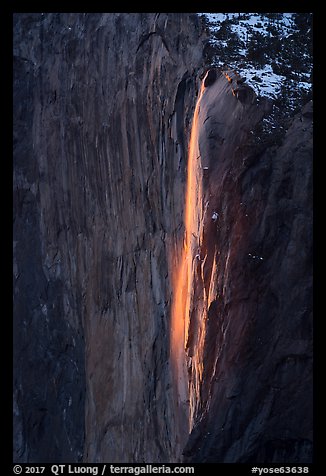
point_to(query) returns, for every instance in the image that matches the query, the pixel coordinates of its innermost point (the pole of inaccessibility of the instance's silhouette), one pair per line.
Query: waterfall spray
(183, 274)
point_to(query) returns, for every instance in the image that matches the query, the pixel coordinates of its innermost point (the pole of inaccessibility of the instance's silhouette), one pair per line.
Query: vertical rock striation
(102, 109)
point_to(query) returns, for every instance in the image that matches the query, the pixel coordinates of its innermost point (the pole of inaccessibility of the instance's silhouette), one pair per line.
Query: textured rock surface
(103, 105)
(253, 402)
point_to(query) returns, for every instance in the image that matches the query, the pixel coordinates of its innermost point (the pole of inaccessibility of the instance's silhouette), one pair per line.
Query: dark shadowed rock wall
(103, 105)
(254, 402)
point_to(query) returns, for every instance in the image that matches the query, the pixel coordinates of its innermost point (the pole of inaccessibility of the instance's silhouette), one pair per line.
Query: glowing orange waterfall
(183, 275)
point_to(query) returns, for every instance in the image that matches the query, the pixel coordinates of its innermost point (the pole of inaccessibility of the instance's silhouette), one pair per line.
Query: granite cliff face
(102, 103)
(250, 345)
(103, 109)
